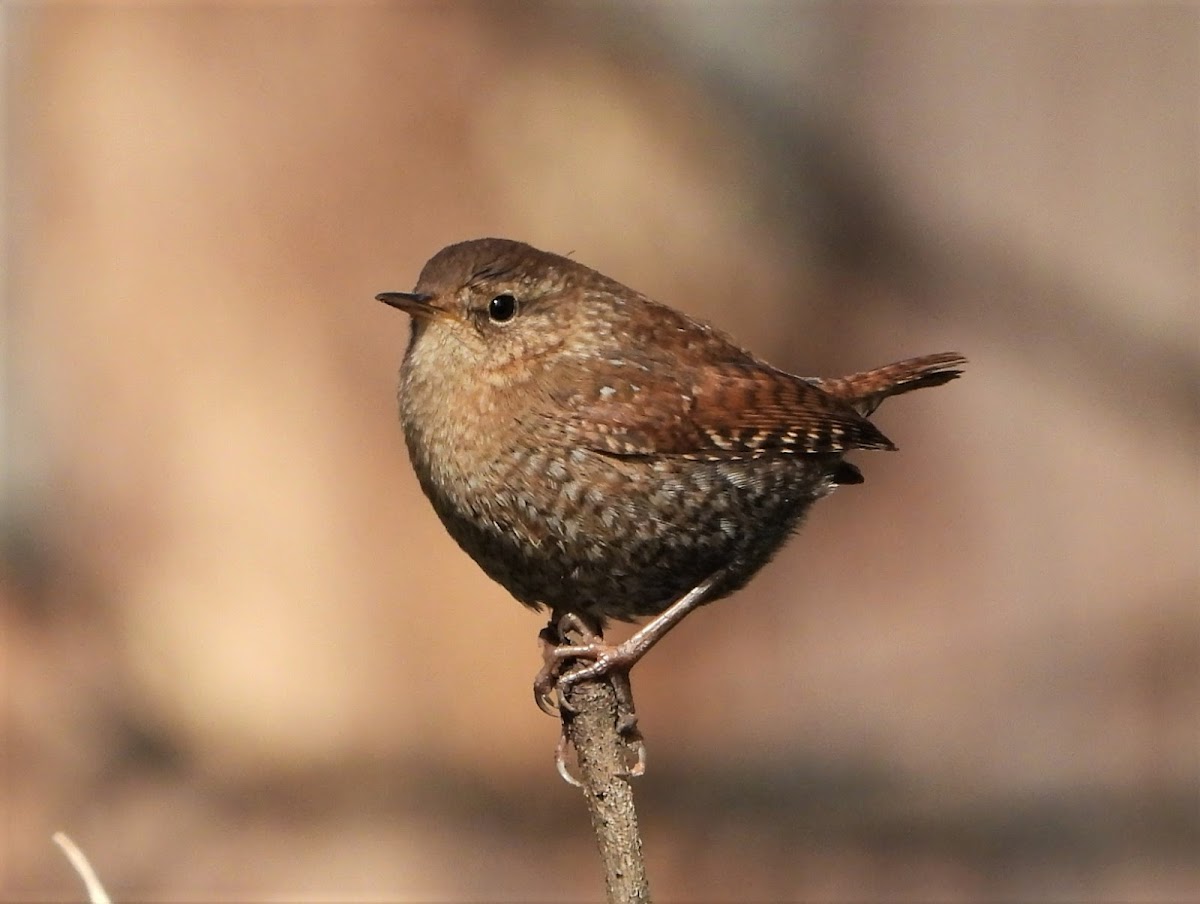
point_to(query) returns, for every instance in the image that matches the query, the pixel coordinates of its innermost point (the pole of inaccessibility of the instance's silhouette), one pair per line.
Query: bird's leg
(556, 654)
(613, 659)
(560, 758)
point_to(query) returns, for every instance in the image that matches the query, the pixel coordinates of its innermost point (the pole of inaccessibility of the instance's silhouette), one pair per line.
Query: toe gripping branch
(569, 662)
(575, 652)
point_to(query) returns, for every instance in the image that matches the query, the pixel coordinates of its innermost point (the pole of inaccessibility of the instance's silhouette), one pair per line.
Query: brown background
(243, 661)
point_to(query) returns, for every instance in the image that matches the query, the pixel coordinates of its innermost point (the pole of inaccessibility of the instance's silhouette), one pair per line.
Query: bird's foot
(553, 638)
(566, 639)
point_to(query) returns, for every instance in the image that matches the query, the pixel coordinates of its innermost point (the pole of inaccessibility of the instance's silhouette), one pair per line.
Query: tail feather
(864, 391)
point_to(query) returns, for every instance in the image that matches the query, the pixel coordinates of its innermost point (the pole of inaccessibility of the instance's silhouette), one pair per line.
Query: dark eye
(502, 308)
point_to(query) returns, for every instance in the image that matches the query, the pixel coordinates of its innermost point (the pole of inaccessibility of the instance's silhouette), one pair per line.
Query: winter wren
(604, 455)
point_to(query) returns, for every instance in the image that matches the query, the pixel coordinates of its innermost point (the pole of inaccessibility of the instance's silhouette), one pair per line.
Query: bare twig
(604, 773)
(95, 891)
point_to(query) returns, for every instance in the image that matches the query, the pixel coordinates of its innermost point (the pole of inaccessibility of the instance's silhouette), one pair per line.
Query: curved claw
(560, 760)
(542, 696)
(546, 678)
(638, 769)
(565, 706)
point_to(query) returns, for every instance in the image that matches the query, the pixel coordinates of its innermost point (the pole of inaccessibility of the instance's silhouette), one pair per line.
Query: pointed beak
(415, 303)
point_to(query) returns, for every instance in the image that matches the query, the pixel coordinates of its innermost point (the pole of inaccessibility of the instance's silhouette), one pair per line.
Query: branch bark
(603, 771)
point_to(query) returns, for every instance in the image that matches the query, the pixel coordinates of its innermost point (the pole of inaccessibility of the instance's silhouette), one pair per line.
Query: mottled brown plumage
(602, 454)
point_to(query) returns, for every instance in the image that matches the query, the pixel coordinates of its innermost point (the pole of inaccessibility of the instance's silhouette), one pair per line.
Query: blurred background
(241, 658)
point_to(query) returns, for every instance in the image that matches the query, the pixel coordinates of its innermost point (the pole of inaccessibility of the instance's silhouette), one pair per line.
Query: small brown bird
(606, 456)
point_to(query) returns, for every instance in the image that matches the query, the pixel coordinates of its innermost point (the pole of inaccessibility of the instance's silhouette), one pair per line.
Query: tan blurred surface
(242, 660)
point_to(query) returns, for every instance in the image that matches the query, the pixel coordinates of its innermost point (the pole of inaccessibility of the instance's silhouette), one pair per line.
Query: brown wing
(723, 412)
